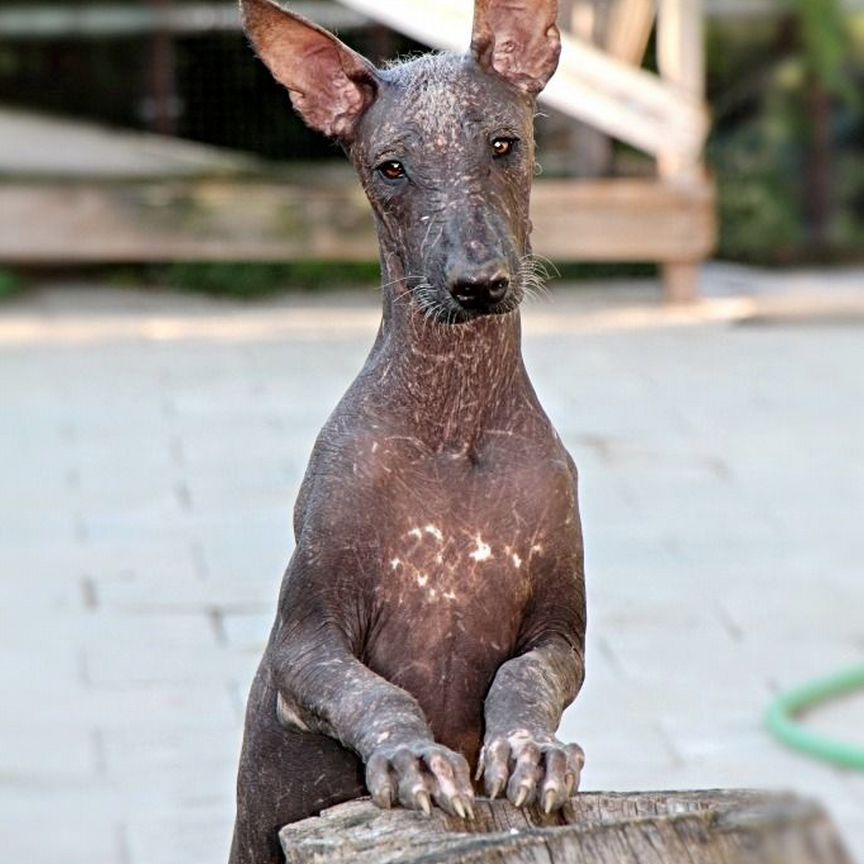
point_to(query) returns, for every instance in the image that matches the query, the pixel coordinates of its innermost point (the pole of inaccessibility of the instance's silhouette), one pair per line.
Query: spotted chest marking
(441, 566)
(482, 551)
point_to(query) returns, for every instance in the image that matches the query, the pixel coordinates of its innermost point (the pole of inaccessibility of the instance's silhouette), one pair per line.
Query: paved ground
(150, 449)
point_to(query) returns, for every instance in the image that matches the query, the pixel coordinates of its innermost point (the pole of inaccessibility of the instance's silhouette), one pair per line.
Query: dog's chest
(455, 546)
(456, 565)
(434, 563)
(448, 605)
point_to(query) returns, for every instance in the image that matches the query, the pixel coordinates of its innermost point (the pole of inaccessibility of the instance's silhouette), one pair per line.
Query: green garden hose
(781, 713)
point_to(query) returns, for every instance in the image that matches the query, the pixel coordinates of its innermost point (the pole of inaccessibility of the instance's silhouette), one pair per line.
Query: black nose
(481, 287)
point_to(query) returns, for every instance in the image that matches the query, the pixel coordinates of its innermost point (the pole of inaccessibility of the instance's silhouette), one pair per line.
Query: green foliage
(249, 280)
(585, 271)
(824, 43)
(10, 283)
(761, 78)
(758, 222)
(756, 160)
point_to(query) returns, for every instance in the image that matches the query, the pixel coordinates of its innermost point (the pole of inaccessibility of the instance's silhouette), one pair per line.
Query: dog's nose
(479, 287)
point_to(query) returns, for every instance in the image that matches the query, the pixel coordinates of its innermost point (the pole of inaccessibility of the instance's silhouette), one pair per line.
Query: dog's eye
(502, 147)
(391, 170)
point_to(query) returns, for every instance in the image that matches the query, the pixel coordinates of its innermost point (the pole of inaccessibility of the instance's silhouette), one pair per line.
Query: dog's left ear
(330, 85)
(518, 39)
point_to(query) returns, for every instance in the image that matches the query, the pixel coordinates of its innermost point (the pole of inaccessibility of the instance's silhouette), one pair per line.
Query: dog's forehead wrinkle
(444, 98)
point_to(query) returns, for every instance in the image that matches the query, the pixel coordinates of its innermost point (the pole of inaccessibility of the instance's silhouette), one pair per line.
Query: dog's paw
(416, 774)
(530, 768)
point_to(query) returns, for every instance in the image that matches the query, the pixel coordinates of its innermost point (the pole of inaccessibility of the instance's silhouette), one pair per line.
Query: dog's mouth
(442, 307)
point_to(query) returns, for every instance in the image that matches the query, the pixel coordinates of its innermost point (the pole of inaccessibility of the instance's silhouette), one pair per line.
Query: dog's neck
(447, 385)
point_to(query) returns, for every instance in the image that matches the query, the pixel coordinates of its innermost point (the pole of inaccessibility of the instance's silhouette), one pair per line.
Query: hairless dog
(431, 622)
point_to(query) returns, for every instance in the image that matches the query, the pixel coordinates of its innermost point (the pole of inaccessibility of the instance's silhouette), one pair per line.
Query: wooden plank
(579, 17)
(630, 29)
(622, 220)
(173, 221)
(680, 281)
(680, 44)
(219, 219)
(681, 61)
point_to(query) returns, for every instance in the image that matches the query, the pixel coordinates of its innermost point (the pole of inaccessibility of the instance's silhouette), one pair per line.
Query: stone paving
(151, 446)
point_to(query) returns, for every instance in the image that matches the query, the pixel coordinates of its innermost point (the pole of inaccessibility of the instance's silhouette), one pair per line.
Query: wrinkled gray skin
(431, 621)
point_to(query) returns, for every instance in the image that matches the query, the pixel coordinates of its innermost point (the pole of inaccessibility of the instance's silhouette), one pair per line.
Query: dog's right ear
(517, 39)
(330, 85)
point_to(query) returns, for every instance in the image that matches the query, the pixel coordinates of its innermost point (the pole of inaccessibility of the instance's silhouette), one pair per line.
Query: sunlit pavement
(151, 446)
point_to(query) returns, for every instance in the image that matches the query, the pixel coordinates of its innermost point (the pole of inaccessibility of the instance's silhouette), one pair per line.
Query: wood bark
(712, 827)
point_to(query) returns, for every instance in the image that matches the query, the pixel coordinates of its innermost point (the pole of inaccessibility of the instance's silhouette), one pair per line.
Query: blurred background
(187, 287)
(783, 79)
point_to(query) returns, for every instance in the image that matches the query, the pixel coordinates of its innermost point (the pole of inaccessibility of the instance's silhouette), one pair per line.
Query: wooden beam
(622, 220)
(681, 61)
(220, 219)
(630, 29)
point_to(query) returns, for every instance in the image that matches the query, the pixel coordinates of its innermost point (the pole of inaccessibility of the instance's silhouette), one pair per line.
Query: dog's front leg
(523, 708)
(322, 686)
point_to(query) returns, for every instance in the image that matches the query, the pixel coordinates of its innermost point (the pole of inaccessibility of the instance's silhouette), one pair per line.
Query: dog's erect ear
(518, 39)
(330, 85)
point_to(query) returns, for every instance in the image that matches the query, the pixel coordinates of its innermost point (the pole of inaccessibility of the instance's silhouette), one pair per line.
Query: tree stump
(713, 827)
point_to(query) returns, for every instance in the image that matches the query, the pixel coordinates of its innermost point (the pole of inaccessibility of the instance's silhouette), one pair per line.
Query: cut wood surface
(713, 827)
(326, 218)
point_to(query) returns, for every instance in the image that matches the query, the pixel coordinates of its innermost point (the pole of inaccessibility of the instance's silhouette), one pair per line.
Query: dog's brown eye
(391, 170)
(502, 146)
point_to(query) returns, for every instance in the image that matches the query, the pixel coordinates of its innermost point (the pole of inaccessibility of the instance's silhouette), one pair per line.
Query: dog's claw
(496, 789)
(421, 799)
(470, 808)
(521, 795)
(548, 801)
(459, 807)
